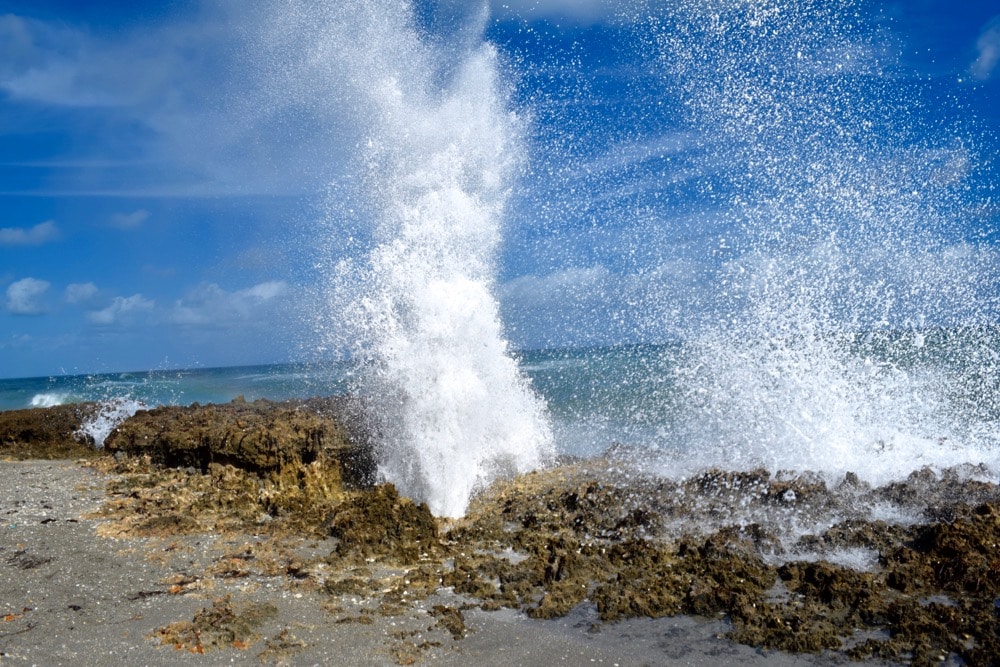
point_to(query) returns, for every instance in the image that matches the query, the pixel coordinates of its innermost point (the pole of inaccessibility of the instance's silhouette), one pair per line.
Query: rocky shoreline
(905, 573)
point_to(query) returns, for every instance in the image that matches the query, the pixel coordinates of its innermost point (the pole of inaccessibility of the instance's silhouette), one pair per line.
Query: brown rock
(381, 523)
(261, 437)
(45, 433)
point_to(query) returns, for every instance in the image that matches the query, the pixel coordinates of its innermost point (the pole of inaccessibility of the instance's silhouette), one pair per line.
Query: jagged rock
(381, 523)
(260, 437)
(45, 433)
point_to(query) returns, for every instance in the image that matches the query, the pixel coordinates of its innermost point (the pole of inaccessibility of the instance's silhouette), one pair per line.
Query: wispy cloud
(577, 286)
(131, 220)
(630, 154)
(43, 232)
(24, 297)
(77, 293)
(579, 11)
(210, 305)
(122, 309)
(185, 103)
(987, 51)
(54, 63)
(595, 306)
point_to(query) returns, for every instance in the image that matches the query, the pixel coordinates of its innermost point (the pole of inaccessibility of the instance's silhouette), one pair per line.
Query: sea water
(177, 386)
(921, 398)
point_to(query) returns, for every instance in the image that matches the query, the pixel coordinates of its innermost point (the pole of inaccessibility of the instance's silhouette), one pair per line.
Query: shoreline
(258, 529)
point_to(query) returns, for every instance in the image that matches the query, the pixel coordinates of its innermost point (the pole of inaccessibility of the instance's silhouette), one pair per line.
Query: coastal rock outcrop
(46, 433)
(260, 436)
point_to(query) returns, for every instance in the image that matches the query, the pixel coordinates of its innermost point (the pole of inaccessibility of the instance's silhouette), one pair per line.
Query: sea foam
(50, 399)
(109, 415)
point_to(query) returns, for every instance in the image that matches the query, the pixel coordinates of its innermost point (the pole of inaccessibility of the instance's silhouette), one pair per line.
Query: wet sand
(70, 596)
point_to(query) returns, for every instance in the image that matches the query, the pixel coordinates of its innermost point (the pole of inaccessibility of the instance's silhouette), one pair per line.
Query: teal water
(177, 387)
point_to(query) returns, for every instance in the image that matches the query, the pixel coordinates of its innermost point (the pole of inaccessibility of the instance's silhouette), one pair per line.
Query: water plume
(439, 150)
(453, 408)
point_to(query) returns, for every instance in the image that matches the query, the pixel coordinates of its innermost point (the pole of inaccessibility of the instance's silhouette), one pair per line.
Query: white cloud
(24, 297)
(130, 220)
(41, 233)
(52, 63)
(80, 292)
(121, 309)
(265, 291)
(196, 85)
(15, 41)
(211, 305)
(23, 41)
(987, 51)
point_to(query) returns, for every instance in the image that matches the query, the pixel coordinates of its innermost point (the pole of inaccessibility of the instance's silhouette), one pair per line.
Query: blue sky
(159, 196)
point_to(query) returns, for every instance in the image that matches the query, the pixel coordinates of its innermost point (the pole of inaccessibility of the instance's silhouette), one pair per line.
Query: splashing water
(450, 406)
(454, 409)
(109, 415)
(49, 399)
(841, 247)
(834, 313)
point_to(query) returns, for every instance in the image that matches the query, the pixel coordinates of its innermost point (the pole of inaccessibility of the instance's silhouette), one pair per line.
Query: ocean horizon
(884, 402)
